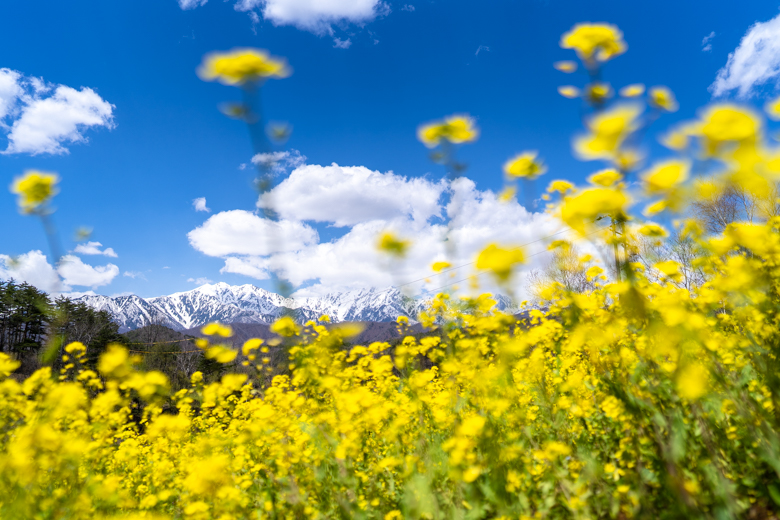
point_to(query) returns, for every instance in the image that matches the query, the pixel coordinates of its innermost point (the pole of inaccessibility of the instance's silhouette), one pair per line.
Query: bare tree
(733, 204)
(565, 268)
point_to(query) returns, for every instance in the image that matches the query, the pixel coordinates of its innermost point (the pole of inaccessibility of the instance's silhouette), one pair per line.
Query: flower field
(655, 393)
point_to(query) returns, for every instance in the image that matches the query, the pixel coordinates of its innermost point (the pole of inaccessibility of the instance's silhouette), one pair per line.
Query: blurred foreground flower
(241, 66)
(525, 165)
(594, 41)
(35, 189)
(608, 132)
(455, 129)
(499, 261)
(389, 243)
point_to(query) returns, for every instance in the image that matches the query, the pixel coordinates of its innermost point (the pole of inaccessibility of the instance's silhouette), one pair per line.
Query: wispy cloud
(342, 44)
(408, 7)
(200, 204)
(134, 275)
(200, 281)
(754, 63)
(706, 45)
(482, 48)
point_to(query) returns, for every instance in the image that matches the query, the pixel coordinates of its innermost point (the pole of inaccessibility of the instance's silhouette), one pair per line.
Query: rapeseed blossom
(242, 66)
(608, 131)
(455, 129)
(525, 165)
(35, 189)
(600, 42)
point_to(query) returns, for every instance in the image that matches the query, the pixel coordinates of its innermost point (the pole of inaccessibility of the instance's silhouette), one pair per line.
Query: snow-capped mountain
(249, 304)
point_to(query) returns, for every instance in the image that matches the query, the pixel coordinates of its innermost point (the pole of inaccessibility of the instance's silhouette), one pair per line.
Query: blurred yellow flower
(664, 176)
(605, 178)
(653, 230)
(525, 165)
(598, 41)
(634, 90)
(692, 381)
(663, 98)
(569, 91)
(221, 354)
(389, 243)
(240, 66)
(217, 329)
(728, 122)
(565, 66)
(251, 345)
(35, 189)
(560, 186)
(285, 326)
(500, 261)
(455, 129)
(579, 211)
(598, 92)
(608, 131)
(440, 266)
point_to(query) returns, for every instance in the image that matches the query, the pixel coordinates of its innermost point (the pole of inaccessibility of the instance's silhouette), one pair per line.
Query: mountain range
(249, 304)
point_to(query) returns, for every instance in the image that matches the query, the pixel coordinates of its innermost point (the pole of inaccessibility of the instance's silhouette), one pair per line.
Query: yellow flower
(772, 108)
(634, 90)
(594, 41)
(217, 329)
(580, 210)
(565, 66)
(727, 122)
(560, 186)
(524, 165)
(653, 230)
(455, 129)
(608, 131)
(221, 354)
(500, 261)
(241, 66)
(665, 176)
(440, 266)
(507, 194)
(692, 381)
(389, 243)
(34, 189)
(251, 345)
(285, 326)
(663, 98)
(569, 91)
(598, 92)
(324, 318)
(605, 178)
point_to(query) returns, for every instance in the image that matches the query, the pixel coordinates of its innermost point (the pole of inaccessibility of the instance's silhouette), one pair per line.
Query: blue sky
(408, 63)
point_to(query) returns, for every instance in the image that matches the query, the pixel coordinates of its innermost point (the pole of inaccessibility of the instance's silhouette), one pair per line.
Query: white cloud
(134, 275)
(200, 204)
(408, 7)
(191, 4)
(239, 232)
(93, 248)
(317, 16)
(338, 43)
(755, 62)
(166, 267)
(199, 281)
(76, 272)
(482, 48)
(348, 195)
(33, 268)
(368, 203)
(278, 162)
(40, 123)
(706, 42)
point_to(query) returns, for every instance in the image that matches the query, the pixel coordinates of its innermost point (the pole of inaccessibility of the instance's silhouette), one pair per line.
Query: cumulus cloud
(348, 195)
(76, 272)
(200, 204)
(239, 232)
(40, 118)
(34, 268)
(367, 203)
(93, 248)
(755, 62)
(278, 162)
(317, 16)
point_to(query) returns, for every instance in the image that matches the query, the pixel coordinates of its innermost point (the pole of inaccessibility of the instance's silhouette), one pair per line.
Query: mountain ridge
(252, 305)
